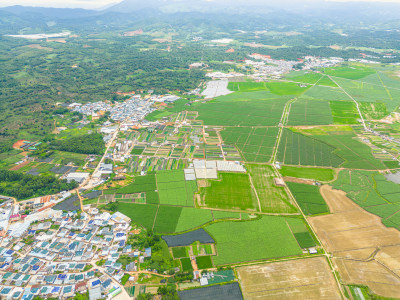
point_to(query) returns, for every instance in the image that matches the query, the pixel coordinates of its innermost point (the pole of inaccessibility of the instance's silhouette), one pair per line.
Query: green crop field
(265, 238)
(310, 112)
(373, 111)
(192, 217)
(167, 219)
(301, 233)
(173, 189)
(311, 78)
(218, 214)
(186, 265)
(326, 93)
(204, 262)
(247, 86)
(273, 199)
(319, 174)
(139, 213)
(309, 198)
(179, 252)
(344, 112)
(145, 183)
(286, 88)
(246, 109)
(350, 72)
(255, 144)
(230, 191)
(356, 154)
(298, 149)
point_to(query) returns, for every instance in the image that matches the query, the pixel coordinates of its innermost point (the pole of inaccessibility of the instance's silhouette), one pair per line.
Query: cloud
(60, 3)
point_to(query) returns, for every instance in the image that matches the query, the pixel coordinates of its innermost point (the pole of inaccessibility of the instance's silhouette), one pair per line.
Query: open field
(309, 278)
(300, 231)
(230, 191)
(310, 112)
(344, 112)
(268, 237)
(318, 174)
(246, 86)
(350, 72)
(139, 213)
(298, 149)
(360, 244)
(255, 144)
(259, 108)
(273, 199)
(286, 88)
(309, 198)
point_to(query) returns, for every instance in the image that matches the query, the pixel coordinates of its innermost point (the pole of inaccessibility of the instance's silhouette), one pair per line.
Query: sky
(93, 4)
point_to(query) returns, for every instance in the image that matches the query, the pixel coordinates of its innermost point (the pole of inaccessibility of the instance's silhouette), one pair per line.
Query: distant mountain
(58, 13)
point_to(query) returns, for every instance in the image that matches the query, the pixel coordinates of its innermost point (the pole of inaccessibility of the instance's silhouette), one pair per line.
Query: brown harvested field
(365, 251)
(309, 278)
(20, 166)
(18, 144)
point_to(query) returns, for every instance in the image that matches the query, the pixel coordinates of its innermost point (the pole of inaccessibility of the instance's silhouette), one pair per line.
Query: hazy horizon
(98, 4)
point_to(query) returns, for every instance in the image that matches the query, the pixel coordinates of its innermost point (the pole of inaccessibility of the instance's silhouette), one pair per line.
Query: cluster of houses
(57, 256)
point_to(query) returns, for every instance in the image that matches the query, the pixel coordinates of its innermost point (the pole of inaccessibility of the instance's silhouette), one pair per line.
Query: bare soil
(309, 278)
(365, 251)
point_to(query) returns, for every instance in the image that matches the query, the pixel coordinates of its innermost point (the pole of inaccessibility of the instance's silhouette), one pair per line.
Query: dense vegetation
(23, 186)
(85, 144)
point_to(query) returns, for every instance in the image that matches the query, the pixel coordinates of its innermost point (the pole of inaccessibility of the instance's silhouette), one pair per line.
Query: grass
(298, 149)
(273, 199)
(217, 214)
(230, 191)
(318, 174)
(139, 213)
(309, 198)
(255, 144)
(310, 112)
(145, 183)
(186, 265)
(265, 238)
(204, 262)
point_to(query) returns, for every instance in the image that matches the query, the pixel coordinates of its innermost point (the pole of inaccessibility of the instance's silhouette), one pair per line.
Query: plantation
(310, 112)
(319, 174)
(230, 191)
(255, 144)
(273, 199)
(309, 198)
(298, 149)
(267, 237)
(186, 265)
(259, 108)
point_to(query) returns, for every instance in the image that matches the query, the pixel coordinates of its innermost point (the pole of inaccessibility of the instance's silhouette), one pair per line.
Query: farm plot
(246, 109)
(246, 86)
(141, 214)
(267, 237)
(140, 184)
(255, 144)
(356, 154)
(230, 191)
(326, 93)
(273, 199)
(310, 112)
(309, 198)
(319, 174)
(300, 232)
(298, 149)
(229, 291)
(188, 238)
(309, 278)
(173, 189)
(344, 112)
(304, 77)
(353, 236)
(286, 88)
(350, 72)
